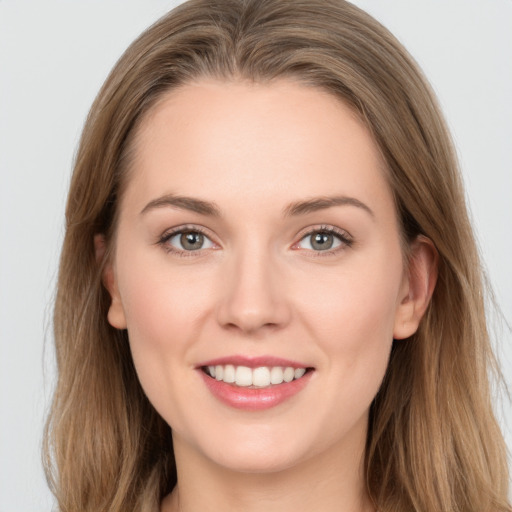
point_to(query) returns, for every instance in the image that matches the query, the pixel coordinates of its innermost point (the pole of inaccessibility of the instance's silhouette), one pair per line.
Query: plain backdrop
(53, 58)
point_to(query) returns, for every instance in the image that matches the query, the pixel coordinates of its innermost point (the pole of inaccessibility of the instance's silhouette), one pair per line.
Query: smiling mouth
(261, 377)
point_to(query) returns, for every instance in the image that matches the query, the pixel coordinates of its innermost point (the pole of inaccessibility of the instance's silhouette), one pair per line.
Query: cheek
(352, 321)
(164, 311)
(163, 305)
(356, 306)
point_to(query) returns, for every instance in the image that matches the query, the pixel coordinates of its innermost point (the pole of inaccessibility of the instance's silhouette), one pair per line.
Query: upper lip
(253, 362)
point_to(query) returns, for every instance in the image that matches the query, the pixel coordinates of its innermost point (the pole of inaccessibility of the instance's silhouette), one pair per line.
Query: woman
(263, 301)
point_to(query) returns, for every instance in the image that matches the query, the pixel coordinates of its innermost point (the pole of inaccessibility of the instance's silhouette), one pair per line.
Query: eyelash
(164, 239)
(345, 239)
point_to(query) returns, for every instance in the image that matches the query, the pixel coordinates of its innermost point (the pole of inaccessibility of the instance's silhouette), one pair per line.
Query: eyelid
(344, 236)
(186, 228)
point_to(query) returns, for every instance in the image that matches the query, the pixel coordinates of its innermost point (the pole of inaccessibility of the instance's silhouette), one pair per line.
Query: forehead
(280, 141)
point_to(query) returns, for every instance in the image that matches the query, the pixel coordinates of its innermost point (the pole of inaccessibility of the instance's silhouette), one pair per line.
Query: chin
(259, 453)
(257, 463)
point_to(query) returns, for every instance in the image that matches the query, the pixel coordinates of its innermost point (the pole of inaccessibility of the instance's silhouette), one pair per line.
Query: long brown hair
(433, 442)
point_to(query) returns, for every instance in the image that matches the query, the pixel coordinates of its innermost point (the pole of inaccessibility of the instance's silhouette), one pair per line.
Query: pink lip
(249, 398)
(253, 362)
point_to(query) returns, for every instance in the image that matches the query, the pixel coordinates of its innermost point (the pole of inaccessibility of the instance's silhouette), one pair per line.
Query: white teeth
(276, 375)
(299, 372)
(229, 373)
(243, 376)
(260, 377)
(288, 374)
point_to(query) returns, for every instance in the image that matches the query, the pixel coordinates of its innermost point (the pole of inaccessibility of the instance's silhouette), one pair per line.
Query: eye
(324, 239)
(186, 240)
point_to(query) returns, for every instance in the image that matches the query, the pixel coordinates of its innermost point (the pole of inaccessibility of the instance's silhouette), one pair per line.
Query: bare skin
(295, 254)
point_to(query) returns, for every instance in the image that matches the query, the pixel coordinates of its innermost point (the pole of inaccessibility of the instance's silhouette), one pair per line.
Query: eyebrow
(321, 203)
(183, 203)
(294, 209)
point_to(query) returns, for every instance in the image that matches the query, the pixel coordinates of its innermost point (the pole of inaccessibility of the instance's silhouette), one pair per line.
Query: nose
(254, 297)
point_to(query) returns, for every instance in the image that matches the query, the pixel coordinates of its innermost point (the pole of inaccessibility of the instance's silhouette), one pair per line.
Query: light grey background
(54, 56)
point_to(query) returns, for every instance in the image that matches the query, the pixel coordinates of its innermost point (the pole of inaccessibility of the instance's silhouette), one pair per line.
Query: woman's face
(258, 233)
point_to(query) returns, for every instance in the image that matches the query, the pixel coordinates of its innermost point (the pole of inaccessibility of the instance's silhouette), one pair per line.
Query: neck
(328, 482)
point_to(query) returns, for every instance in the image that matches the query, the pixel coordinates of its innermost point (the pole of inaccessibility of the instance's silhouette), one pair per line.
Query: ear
(115, 316)
(417, 287)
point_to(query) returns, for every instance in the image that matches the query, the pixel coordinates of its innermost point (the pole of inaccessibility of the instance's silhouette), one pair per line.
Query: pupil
(192, 241)
(322, 241)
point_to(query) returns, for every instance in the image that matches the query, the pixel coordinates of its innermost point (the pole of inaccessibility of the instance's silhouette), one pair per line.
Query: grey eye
(320, 241)
(190, 241)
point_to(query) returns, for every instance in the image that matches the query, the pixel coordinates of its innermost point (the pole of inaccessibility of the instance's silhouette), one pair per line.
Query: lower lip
(254, 399)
